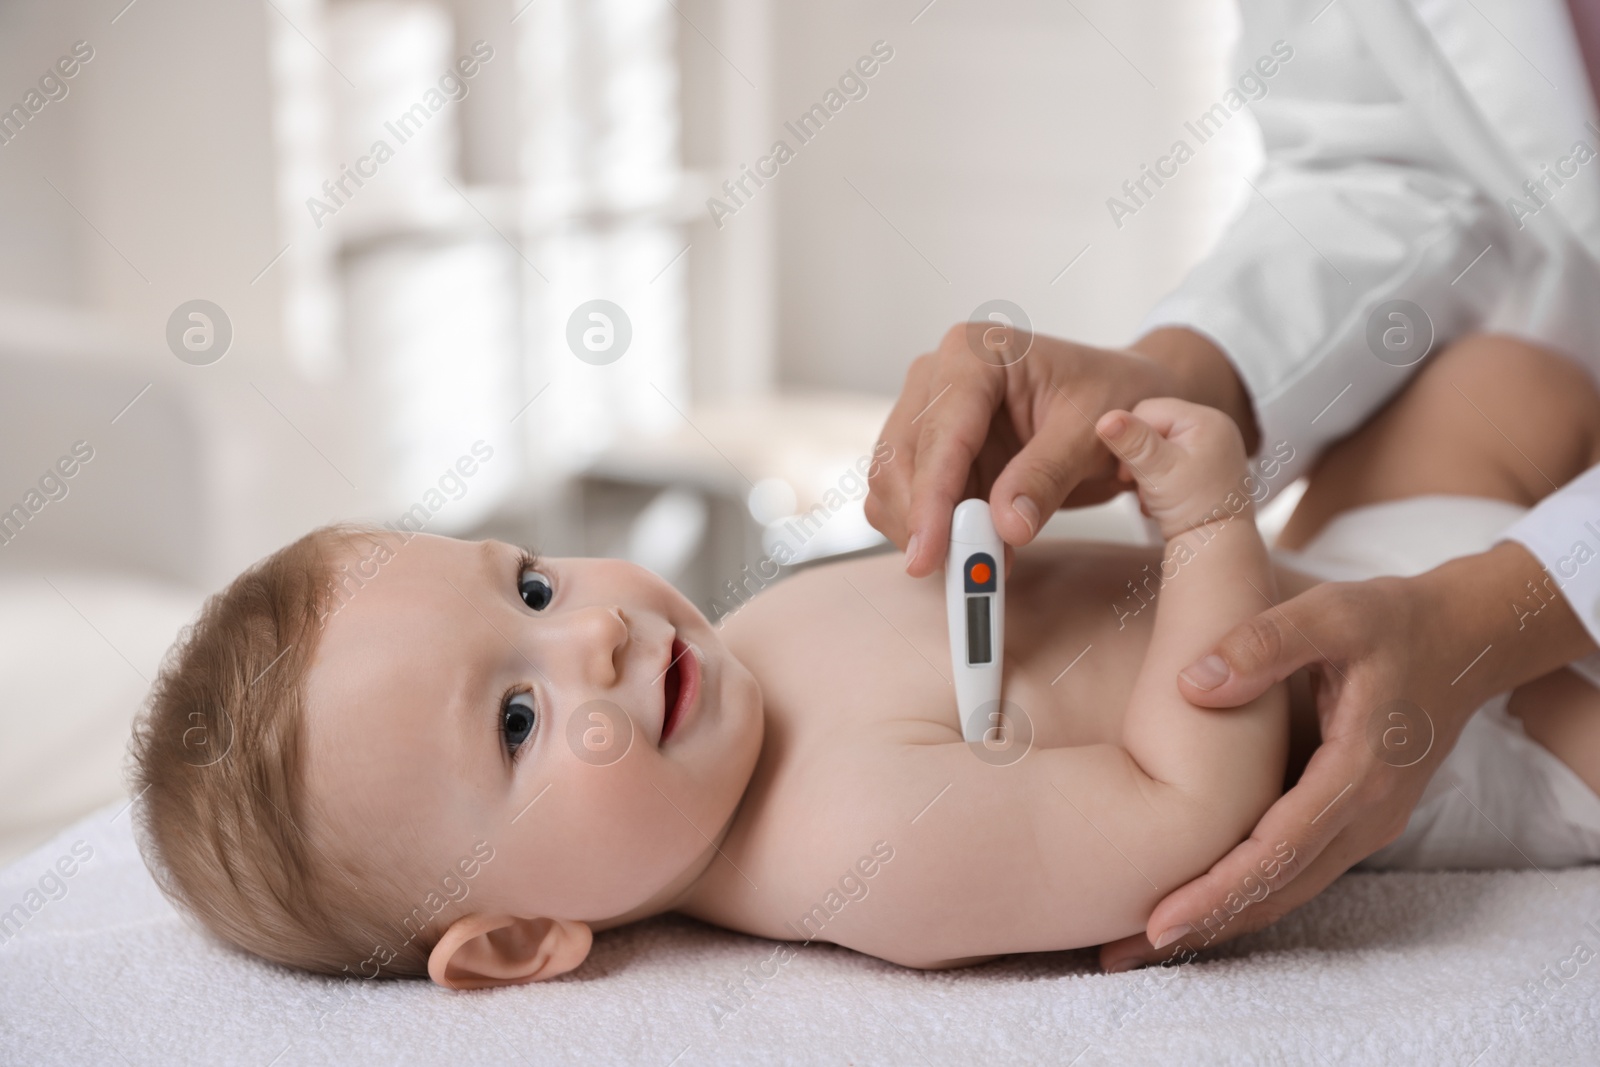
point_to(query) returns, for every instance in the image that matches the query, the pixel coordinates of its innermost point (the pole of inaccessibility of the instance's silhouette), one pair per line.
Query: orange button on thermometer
(975, 606)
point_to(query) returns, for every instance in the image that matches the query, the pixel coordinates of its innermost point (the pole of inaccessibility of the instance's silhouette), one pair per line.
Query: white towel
(1403, 968)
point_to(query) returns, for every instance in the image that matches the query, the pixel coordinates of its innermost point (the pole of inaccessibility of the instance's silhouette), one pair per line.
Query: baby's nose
(597, 636)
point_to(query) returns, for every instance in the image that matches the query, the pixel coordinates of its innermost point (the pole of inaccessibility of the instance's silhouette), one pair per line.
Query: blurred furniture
(738, 495)
(95, 585)
(785, 468)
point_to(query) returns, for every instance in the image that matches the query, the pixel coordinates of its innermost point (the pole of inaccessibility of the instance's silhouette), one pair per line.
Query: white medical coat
(1420, 150)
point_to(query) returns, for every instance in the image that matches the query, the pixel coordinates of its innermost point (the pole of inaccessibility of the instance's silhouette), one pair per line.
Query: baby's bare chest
(854, 666)
(858, 652)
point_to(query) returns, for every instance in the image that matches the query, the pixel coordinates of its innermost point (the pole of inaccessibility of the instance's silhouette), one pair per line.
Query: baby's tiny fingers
(1133, 441)
(1167, 413)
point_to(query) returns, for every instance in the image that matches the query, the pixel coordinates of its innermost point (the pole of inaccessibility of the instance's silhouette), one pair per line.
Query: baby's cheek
(617, 841)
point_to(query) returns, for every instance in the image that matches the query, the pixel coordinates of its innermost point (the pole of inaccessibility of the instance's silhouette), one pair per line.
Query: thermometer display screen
(979, 645)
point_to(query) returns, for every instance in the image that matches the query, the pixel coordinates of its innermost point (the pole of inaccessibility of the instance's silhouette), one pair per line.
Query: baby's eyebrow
(491, 551)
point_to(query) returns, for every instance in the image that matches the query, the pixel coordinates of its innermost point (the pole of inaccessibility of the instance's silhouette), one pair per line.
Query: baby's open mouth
(682, 682)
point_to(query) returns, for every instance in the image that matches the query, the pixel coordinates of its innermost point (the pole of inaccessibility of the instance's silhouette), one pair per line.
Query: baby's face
(460, 696)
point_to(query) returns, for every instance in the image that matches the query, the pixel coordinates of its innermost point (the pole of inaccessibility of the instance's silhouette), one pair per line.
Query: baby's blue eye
(535, 589)
(517, 719)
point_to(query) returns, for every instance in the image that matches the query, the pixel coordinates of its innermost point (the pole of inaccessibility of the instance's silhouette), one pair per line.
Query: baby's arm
(1188, 462)
(1063, 848)
(1076, 845)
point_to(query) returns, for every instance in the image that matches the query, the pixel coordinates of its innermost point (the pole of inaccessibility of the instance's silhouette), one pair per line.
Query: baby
(467, 760)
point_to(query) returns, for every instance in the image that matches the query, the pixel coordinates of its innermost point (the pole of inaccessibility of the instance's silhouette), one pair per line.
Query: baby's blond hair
(217, 757)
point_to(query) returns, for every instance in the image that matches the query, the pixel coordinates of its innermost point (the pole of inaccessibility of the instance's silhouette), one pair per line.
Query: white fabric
(1382, 968)
(1402, 537)
(1563, 533)
(1499, 799)
(1395, 141)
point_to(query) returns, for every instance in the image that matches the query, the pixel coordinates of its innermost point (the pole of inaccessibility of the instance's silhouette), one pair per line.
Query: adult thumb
(1249, 659)
(1038, 478)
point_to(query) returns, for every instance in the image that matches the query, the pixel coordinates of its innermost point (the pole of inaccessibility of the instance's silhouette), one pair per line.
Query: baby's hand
(1186, 459)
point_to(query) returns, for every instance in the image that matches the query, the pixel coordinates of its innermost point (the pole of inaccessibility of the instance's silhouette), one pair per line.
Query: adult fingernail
(911, 550)
(1206, 674)
(1169, 936)
(1125, 965)
(1029, 512)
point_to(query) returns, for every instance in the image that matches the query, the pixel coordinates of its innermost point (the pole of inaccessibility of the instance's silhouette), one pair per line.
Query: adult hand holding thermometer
(975, 605)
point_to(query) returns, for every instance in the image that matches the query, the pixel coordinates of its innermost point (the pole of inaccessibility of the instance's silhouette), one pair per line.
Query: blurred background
(279, 263)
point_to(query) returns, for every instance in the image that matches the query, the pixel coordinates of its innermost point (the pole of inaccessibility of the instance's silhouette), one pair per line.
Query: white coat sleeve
(1563, 533)
(1357, 204)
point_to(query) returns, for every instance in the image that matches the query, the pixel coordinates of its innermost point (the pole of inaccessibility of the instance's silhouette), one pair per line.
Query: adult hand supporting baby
(1019, 430)
(1446, 641)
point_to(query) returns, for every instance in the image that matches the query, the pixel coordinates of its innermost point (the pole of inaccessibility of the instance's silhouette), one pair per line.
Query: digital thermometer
(975, 606)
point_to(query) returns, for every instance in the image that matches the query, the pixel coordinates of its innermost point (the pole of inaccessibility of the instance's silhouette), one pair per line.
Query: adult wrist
(1204, 375)
(1503, 607)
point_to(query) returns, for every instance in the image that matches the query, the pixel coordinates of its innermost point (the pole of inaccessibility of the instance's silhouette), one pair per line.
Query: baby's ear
(479, 951)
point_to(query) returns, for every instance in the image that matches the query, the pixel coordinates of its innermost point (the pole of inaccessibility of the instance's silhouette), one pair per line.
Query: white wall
(991, 142)
(42, 256)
